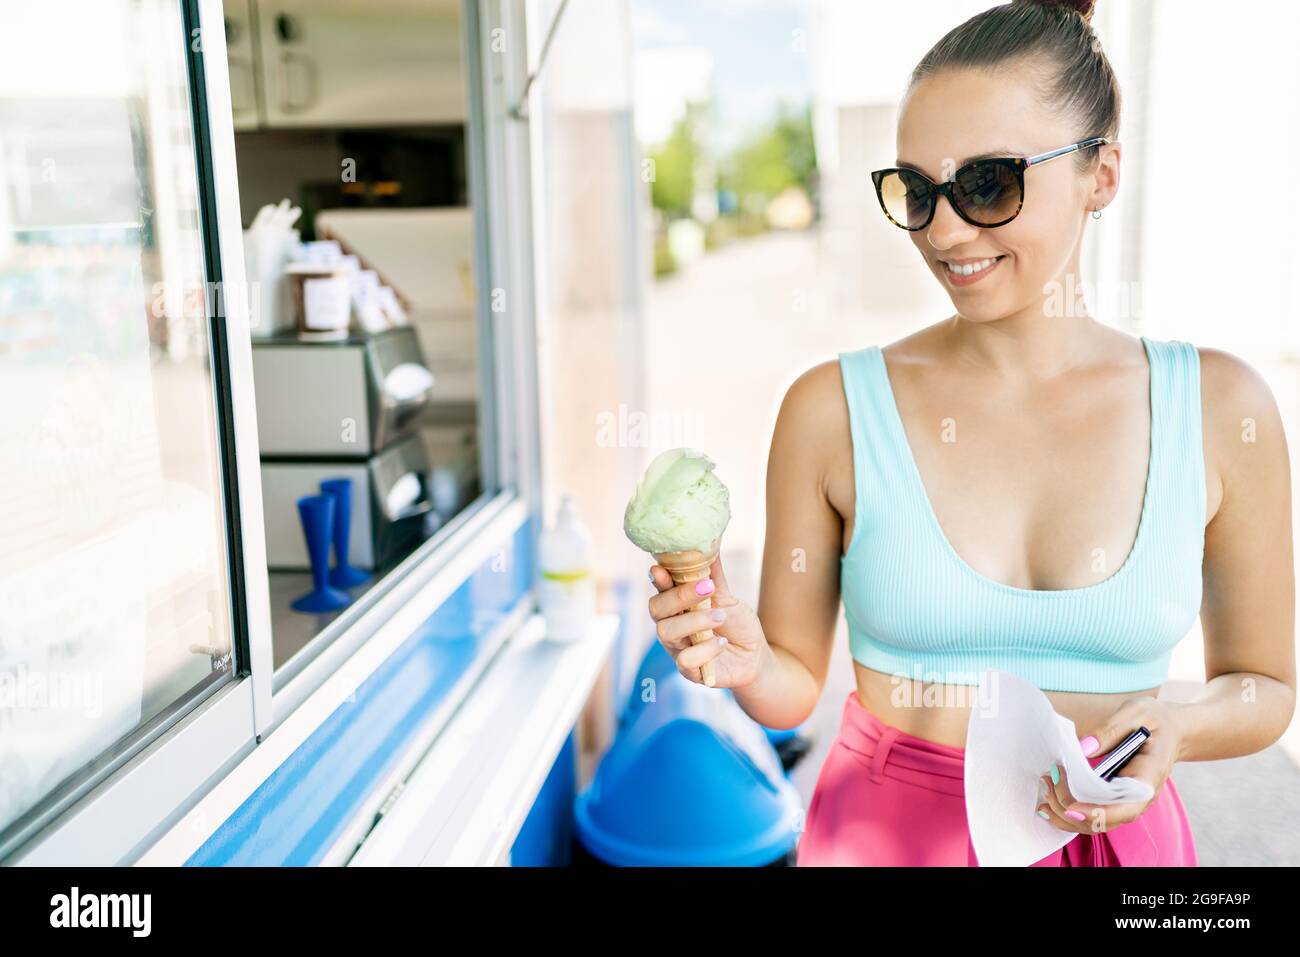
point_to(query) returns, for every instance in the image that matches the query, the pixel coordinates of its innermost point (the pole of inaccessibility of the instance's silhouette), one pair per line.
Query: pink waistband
(1160, 835)
(891, 752)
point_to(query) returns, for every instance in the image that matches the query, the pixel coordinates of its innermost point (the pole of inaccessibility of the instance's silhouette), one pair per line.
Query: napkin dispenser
(345, 399)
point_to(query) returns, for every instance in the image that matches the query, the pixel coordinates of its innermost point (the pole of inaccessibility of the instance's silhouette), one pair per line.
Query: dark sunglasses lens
(906, 197)
(987, 192)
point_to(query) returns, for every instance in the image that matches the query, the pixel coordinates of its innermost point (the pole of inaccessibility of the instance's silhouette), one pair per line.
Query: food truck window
(351, 151)
(147, 640)
(118, 606)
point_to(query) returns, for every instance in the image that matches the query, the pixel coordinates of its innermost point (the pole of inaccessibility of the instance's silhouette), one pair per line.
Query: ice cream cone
(693, 565)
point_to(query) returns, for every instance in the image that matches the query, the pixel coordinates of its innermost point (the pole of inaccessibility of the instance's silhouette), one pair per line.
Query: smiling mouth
(970, 268)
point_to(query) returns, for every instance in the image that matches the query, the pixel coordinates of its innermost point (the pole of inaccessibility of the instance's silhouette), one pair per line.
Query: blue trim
(298, 812)
(546, 837)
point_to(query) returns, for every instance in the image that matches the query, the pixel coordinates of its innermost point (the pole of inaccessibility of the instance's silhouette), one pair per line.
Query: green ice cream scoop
(680, 504)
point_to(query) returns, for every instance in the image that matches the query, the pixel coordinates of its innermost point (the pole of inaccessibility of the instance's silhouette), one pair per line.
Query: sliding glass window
(350, 143)
(116, 604)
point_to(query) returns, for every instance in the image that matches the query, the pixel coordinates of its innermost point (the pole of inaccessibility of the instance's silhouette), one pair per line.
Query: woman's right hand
(739, 649)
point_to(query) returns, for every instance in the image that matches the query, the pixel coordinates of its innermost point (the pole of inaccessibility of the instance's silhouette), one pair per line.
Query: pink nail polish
(704, 587)
(1075, 816)
(1089, 745)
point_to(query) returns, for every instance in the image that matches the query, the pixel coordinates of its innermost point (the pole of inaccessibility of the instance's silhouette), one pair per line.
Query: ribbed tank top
(915, 608)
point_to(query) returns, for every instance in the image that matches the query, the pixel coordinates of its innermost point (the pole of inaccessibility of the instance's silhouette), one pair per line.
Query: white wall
(1222, 208)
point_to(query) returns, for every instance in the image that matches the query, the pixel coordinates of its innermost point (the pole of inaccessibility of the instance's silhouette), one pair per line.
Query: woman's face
(955, 115)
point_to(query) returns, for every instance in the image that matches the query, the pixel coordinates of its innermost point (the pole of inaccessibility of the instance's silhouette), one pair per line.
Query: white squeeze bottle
(567, 591)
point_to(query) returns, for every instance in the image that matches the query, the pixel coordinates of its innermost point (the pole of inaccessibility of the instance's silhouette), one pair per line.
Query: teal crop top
(915, 608)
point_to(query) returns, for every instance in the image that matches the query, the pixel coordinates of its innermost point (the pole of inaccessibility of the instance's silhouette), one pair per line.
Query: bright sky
(759, 50)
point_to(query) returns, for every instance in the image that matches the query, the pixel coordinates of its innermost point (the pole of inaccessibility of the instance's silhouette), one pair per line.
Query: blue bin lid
(780, 735)
(690, 780)
(658, 665)
(655, 674)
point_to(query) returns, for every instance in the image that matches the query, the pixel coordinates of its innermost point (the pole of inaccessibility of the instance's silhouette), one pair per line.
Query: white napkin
(1013, 737)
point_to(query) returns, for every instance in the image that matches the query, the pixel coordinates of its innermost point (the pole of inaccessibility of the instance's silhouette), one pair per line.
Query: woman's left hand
(1151, 764)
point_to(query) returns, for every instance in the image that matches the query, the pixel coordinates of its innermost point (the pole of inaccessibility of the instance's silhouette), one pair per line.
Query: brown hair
(1055, 35)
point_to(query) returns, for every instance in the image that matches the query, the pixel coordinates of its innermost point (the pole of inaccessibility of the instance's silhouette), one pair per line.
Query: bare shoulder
(1240, 412)
(817, 393)
(1232, 390)
(813, 421)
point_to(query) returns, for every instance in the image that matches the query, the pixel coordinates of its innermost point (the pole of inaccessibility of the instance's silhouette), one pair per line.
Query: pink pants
(887, 798)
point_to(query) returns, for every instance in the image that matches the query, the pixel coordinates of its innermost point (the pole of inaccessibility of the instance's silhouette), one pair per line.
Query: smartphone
(1113, 762)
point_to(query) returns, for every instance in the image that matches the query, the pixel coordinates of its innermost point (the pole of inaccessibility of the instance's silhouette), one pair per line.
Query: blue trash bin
(690, 780)
(777, 736)
(659, 667)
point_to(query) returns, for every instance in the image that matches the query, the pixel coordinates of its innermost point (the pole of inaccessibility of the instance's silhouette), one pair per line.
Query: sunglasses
(985, 192)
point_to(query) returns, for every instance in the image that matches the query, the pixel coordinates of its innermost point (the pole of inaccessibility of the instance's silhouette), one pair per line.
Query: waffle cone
(691, 566)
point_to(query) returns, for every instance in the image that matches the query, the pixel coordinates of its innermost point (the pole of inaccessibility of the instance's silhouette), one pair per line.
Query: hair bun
(1082, 7)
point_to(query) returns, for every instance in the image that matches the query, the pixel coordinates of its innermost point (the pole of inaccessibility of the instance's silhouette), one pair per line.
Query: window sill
(468, 797)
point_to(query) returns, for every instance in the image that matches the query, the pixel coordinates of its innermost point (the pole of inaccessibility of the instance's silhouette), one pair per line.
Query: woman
(1011, 488)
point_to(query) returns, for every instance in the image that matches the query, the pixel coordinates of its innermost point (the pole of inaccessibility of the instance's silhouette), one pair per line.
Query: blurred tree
(673, 186)
(778, 156)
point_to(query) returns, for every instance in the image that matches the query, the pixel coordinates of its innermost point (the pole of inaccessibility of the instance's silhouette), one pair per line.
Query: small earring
(1096, 213)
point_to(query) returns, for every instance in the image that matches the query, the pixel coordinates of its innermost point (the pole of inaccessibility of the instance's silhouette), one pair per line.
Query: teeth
(970, 268)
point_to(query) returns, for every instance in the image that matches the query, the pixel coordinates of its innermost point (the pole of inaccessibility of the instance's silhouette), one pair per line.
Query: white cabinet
(242, 57)
(354, 63)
